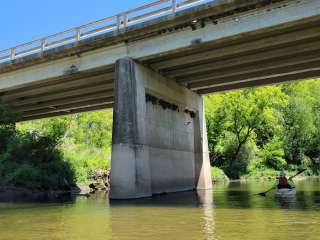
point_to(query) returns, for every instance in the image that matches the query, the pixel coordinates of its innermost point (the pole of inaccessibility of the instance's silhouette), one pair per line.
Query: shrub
(273, 154)
(31, 159)
(218, 175)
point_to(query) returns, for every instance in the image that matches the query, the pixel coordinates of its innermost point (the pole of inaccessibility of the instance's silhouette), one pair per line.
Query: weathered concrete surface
(176, 41)
(179, 20)
(156, 147)
(130, 176)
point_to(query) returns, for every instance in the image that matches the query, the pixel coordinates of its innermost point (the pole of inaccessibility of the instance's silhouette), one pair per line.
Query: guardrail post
(78, 34)
(174, 5)
(125, 20)
(118, 22)
(13, 53)
(43, 44)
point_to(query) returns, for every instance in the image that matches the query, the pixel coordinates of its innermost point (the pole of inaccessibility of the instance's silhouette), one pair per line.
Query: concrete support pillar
(130, 165)
(159, 135)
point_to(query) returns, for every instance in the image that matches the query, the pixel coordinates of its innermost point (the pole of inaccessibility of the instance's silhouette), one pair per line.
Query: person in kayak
(284, 182)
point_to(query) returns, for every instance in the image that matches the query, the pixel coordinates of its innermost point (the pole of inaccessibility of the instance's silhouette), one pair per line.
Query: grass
(84, 160)
(218, 175)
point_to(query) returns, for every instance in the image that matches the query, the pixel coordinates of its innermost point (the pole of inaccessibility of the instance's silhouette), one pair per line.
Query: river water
(228, 212)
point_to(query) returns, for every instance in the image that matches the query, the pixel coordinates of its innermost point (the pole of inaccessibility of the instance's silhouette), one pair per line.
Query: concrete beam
(59, 87)
(67, 94)
(69, 76)
(267, 55)
(62, 113)
(69, 107)
(66, 106)
(244, 48)
(55, 103)
(251, 21)
(60, 68)
(260, 68)
(261, 82)
(278, 71)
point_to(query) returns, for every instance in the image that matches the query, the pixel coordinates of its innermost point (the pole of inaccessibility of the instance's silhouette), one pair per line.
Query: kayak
(285, 192)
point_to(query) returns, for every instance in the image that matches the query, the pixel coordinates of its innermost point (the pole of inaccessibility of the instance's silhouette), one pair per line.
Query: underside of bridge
(251, 60)
(279, 53)
(74, 93)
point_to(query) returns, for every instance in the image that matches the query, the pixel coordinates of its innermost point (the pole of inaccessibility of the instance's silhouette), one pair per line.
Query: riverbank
(100, 182)
(14, 194)
(218, 175)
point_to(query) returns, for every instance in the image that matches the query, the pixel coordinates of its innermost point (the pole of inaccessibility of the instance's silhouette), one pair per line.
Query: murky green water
(229, 212)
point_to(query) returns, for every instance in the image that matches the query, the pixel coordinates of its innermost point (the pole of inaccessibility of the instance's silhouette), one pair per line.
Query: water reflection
(243, 195)
(230, 211)
(206, 199)
(185, 215)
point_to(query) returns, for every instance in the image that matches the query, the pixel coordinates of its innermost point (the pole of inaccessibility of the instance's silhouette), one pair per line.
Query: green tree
(84, 139)
(273, 154)
(243, 115)
(31, 159)
(300, 120)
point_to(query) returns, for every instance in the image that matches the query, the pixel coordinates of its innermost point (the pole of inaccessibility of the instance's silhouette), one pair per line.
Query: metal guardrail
(109, 24)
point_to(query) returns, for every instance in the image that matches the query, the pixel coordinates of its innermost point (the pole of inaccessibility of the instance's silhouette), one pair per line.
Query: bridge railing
(109, 24)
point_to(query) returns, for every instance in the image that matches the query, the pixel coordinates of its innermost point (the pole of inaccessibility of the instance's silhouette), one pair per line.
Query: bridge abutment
(159, 135)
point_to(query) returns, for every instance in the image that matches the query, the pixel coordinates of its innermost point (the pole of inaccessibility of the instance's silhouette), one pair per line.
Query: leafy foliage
(218, 175)
(84, 160)
(252, 132)
(299, 129)
(273, 154)
(84, 140)
(273, 127)
(30, 159)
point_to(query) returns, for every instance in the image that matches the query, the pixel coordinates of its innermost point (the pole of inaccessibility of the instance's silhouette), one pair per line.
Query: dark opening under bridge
(152, 65)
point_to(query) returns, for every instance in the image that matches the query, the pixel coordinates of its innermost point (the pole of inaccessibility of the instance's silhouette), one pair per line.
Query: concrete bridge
(152, 65)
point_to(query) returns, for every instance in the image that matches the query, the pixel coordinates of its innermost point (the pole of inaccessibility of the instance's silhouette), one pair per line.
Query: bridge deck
(210, 48)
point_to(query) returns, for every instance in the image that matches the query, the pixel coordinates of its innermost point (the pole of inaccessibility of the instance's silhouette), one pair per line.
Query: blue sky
(26, 20)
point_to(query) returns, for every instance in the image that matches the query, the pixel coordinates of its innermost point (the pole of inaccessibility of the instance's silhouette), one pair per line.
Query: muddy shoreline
(14, 194)
(100, 182)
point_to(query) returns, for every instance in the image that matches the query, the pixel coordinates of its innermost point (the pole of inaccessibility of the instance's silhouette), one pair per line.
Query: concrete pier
(159, 135)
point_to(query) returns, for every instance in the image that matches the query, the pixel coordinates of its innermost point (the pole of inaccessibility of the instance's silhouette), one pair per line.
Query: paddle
(301, 171)
(265, 193)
